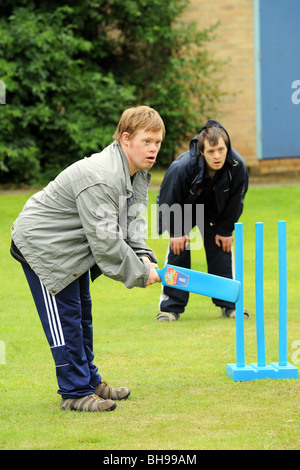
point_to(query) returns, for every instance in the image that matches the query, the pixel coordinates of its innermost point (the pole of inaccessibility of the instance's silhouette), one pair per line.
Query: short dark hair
(212, 134)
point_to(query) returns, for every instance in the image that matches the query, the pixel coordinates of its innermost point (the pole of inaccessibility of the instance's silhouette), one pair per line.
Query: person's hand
(224, 242)
(153, 276)
(179, 244)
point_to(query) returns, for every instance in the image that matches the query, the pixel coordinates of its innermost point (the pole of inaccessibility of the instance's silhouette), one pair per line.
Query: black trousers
(218, 263)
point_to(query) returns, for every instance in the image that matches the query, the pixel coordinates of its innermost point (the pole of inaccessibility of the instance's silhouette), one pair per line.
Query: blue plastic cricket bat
(200, 283)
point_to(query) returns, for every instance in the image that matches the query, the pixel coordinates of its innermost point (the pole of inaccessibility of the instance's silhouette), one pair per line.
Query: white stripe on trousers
(53, 318)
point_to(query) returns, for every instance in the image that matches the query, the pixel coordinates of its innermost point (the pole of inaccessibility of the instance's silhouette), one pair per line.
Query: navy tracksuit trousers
(218, 263)
(67, 322)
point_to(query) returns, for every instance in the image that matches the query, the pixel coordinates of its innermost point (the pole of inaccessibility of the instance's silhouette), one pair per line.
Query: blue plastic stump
(284, 370)
(262, 370)
(240, 371)
(281, 370)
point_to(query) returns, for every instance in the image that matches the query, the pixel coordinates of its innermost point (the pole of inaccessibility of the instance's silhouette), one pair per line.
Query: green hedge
(70, 68)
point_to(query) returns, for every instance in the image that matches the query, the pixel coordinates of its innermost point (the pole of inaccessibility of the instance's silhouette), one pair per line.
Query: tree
(150, 46)
(71, 68)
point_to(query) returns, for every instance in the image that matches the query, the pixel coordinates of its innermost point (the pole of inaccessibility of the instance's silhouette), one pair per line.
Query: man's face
(215, 156)
(141, 150)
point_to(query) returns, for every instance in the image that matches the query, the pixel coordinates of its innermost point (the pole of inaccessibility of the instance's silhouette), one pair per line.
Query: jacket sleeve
(98, 208)
(170, 200)
(235, 204)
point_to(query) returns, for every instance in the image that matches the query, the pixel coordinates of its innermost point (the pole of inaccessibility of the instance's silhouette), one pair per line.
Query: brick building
(249, 34)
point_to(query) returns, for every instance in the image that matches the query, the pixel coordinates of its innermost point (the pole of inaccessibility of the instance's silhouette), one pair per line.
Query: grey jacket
(89, 216)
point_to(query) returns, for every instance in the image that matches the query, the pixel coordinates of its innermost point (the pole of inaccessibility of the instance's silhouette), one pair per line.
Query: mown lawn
(181, 397)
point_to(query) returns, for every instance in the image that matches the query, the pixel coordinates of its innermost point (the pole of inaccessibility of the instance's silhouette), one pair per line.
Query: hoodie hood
(194, 149)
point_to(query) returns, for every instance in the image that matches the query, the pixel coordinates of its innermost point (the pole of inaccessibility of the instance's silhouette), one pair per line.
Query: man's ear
(125, 138)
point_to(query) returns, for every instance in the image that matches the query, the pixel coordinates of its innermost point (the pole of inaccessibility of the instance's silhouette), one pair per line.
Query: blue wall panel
(279, 76)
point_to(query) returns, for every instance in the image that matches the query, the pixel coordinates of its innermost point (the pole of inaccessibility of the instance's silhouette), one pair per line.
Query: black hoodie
(184, 177)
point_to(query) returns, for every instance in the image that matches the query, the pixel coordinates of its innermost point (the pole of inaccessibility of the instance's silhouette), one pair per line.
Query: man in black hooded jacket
(210, 175)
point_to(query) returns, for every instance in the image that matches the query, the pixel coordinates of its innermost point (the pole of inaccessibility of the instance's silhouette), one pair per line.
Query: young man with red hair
(79, 224)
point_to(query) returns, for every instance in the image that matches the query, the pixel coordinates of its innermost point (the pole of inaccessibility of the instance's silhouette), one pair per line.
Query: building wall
(234, 41)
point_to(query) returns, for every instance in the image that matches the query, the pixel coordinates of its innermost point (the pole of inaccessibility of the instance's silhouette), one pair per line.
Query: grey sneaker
(87, 403)
(230, 313)
(103, 390)
(168, 316)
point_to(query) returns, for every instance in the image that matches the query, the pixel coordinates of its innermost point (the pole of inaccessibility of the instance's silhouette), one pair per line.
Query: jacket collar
(139, 175)
(125, 164)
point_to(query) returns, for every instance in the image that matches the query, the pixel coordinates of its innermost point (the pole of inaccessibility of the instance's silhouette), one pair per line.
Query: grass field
(181, 398)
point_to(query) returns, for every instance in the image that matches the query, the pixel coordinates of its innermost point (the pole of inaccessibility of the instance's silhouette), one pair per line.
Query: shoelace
(109, 388)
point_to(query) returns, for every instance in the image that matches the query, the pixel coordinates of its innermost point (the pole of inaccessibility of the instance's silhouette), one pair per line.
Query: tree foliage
(71, 67)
